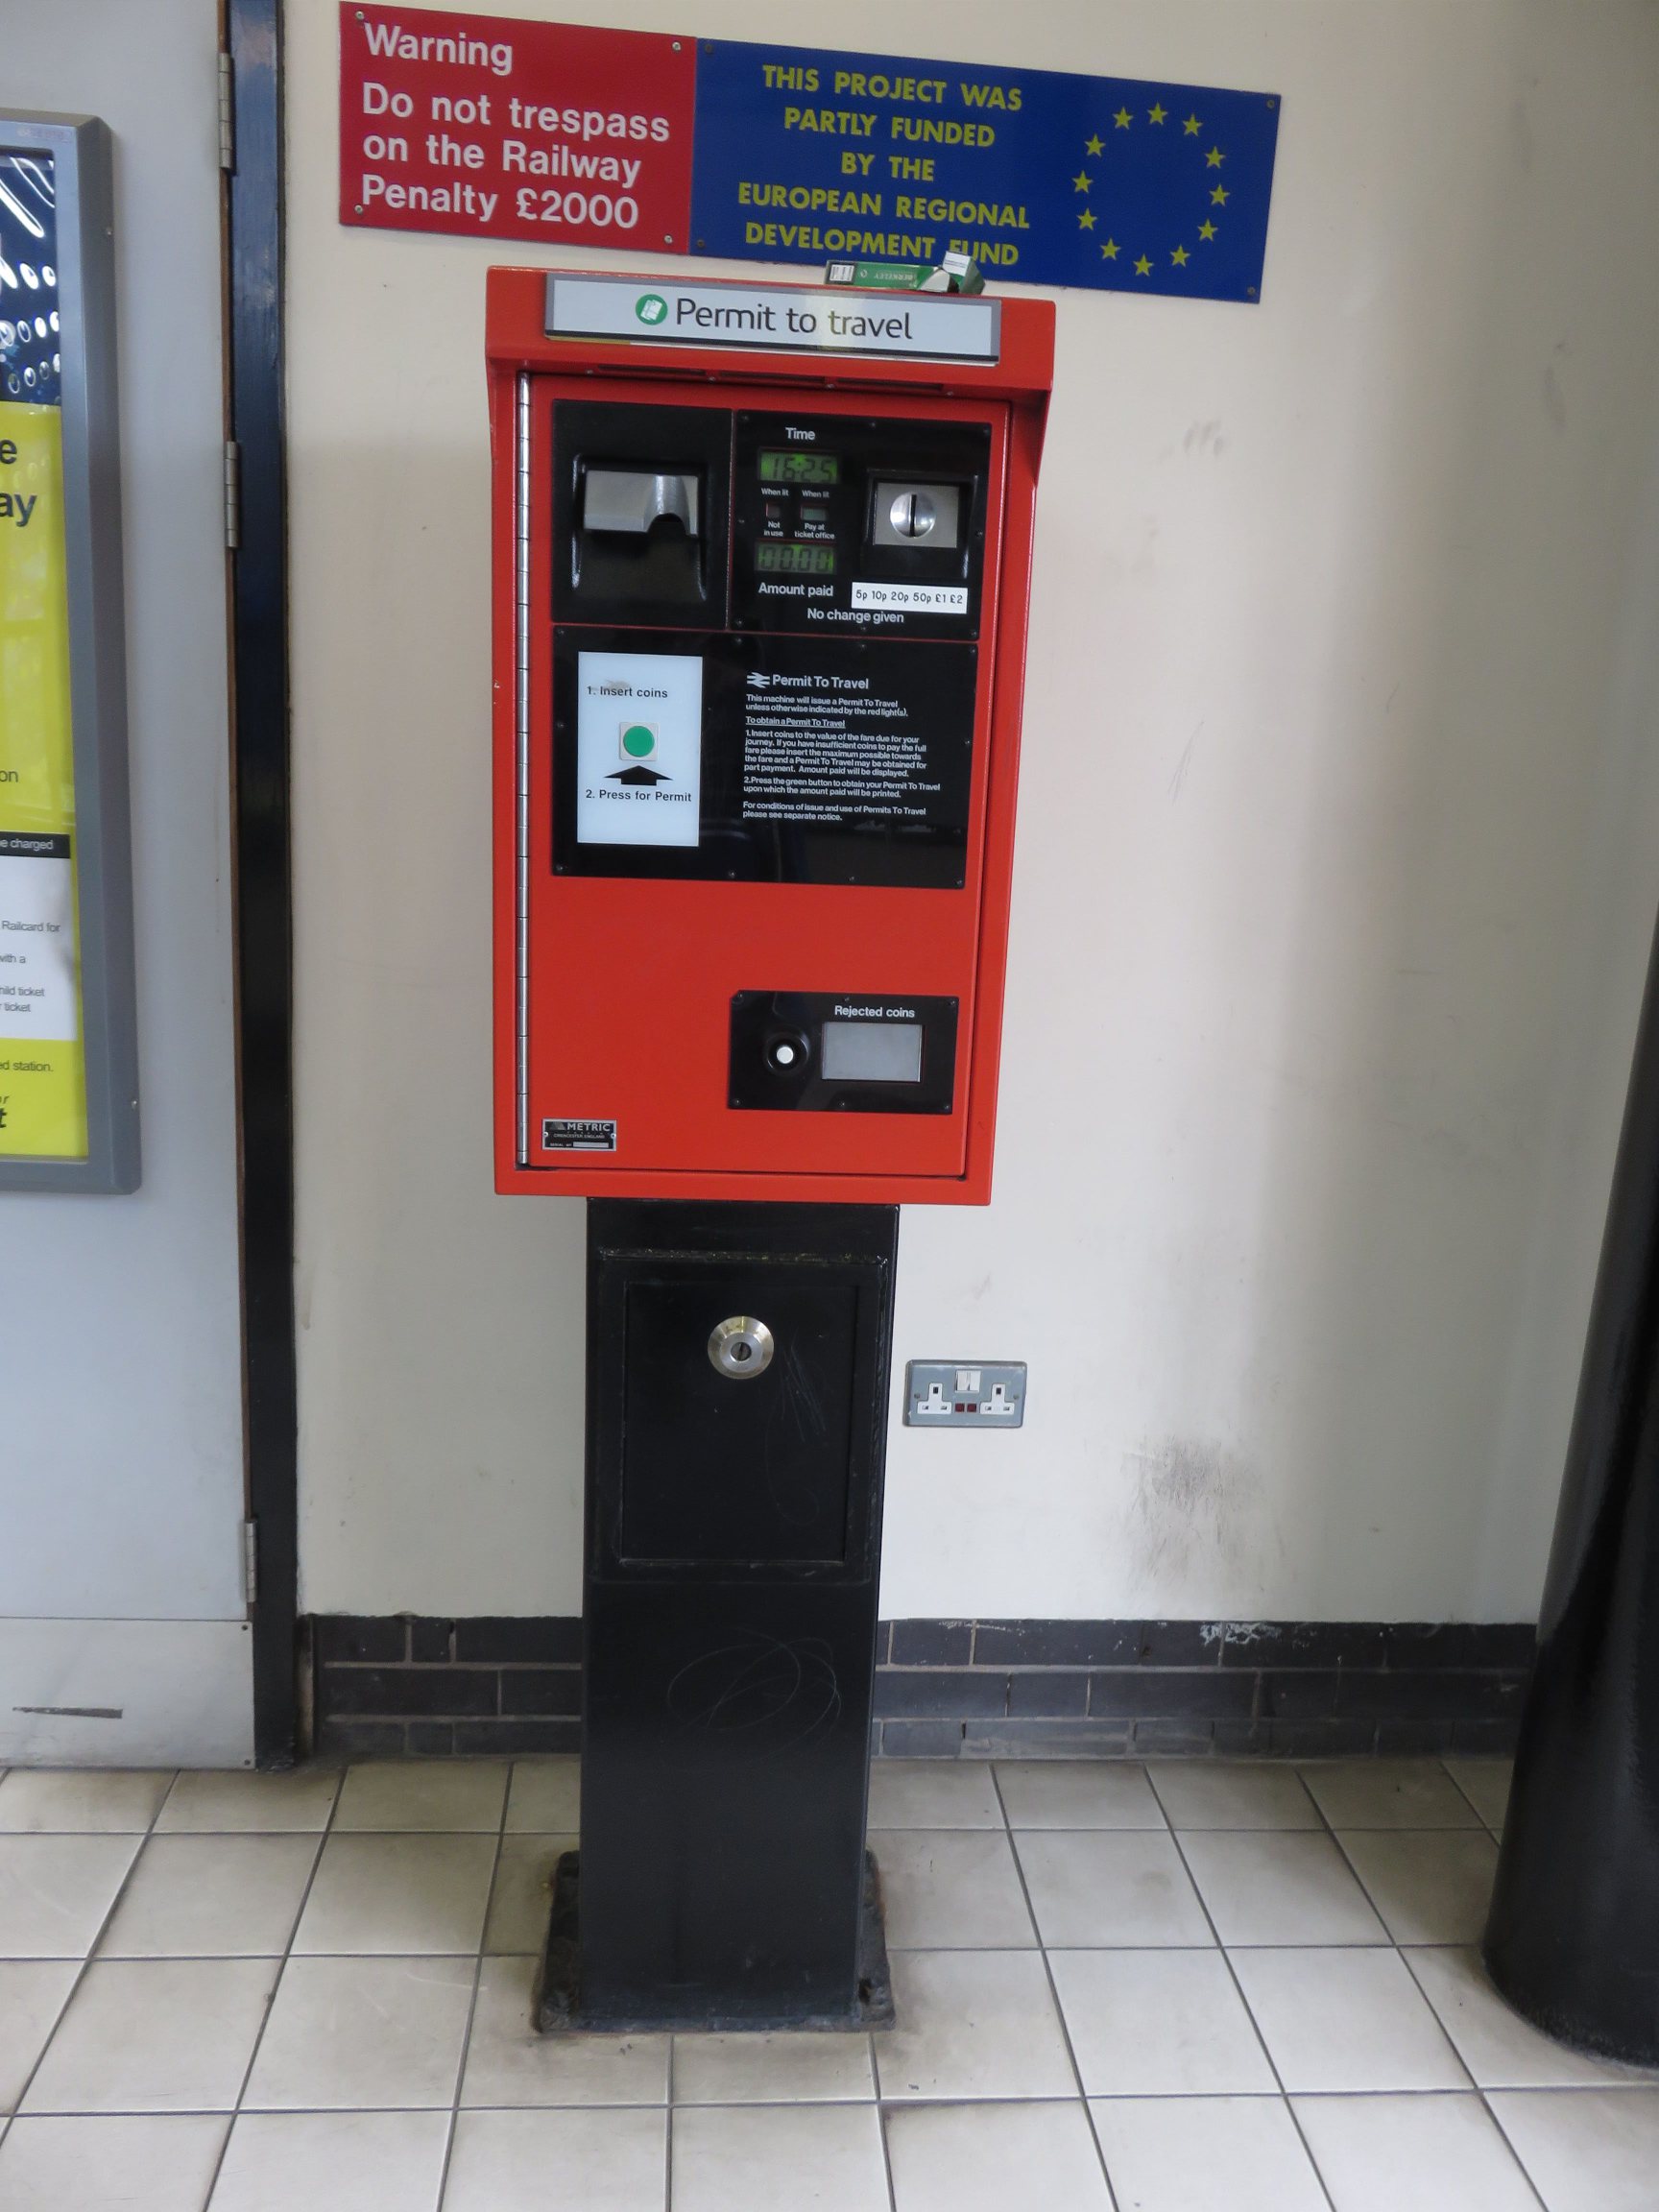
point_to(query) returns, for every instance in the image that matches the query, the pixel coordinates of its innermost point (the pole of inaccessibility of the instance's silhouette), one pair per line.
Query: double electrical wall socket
(959, 1394)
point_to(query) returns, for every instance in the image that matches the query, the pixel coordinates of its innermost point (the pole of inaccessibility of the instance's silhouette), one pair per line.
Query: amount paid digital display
(798, 559)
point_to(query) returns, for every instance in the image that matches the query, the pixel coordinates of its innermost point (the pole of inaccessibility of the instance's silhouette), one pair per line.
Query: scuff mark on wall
(1195, 1502)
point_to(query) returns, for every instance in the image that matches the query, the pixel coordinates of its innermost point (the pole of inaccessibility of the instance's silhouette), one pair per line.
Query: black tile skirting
(402, 1683)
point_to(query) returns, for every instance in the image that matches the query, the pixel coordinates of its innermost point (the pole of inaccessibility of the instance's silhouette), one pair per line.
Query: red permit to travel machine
(762, 556)
(761, 564)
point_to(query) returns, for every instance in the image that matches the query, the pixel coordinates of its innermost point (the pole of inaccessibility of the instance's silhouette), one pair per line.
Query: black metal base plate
(559, 2007)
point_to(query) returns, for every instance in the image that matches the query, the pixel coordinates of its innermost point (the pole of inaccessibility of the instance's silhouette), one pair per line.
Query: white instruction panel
(639, 748)
(38, 999)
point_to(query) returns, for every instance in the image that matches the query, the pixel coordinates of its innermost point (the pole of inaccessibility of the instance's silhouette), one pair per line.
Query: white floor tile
(765, 2157)
(1279, 1888)
(1077, 1793)
(398, 1894)
(603, 2161)
(1486, 1782)
(1587, 2149)
(155, 2035)
(457, 1794)
(953, 1889)
(545, 1798)
(1159, 2024)
(78, 1800)
(1111, 1887)
(508, 2063)
(521, 1901)
(333, 2162)
(1389, 1794)
(1428, 2154)
(1205, 2154)
(973, 2024)
(33, 1992)
(992, 2157)
(206, 1896)
(1500, 2050)
(772, 2069)
(236, 1803)
(55, 1890)
(349, 2034)
(127, 2163)
(932, 1794)
(1350, 2019)
(1430, 1888)
(1221, 1794)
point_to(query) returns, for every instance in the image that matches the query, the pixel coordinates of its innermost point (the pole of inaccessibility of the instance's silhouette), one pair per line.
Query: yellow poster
(42, 1077)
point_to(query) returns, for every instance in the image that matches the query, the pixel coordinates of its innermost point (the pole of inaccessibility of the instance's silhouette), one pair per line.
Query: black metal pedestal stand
(1573, 1940)
(737, 1371)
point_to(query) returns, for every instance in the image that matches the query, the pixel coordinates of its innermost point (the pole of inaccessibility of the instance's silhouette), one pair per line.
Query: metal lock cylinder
(741, 1348)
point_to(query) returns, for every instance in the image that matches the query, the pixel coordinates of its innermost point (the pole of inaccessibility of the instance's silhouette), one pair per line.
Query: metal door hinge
(232, 494)
(226, 114)
(250, 1562)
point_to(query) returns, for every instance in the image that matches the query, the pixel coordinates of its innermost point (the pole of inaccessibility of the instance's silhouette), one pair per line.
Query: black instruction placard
(829, 747)
(822, 761)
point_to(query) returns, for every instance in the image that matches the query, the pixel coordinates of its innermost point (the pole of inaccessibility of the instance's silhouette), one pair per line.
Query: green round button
(638, 742)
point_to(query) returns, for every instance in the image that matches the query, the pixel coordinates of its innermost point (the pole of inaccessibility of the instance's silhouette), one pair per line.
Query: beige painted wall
(1340, 853)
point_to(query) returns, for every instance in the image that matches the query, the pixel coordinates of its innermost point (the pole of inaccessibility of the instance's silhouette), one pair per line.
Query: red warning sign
(489, 127)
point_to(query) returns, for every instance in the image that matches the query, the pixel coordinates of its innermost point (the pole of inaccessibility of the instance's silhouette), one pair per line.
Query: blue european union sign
(1046, 178)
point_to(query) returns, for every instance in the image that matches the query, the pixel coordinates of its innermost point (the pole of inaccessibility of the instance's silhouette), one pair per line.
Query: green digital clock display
(799, 468)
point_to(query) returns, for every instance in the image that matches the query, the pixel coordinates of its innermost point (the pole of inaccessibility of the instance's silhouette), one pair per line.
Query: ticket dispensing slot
(640, 510)
(635, 500)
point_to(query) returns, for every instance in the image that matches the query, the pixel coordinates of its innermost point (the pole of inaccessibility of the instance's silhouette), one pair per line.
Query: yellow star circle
(1180, 257)
(1122, 118)
(1157, 112)
(1191, 126)
(1142, 267)
(1214, 158)
(1081, 182)
(1218, 198)
(1109, 251)
(1206, 229)
(1086, 221)
(1094, 146)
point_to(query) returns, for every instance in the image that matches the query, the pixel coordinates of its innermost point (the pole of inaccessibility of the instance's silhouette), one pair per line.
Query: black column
(732, 1538)
(1573, 1940)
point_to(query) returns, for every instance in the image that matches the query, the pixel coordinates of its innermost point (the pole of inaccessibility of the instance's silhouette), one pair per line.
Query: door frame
(256, 486)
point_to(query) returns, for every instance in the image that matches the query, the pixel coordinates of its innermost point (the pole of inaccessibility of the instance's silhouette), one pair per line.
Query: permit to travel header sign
(558, 135)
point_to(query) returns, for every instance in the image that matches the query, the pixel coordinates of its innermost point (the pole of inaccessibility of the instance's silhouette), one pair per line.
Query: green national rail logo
(651, 307)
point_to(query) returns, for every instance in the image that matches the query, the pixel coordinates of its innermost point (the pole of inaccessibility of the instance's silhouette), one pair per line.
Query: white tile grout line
(881, 2109)
(1494, 1829)
(1393, 1943)
(92, 1952)
(1255, 2024)
(321, 1836)
(668, 2131)
(1053, 1999)
(1399, 1949)
(477, 1980)
(957, 2103)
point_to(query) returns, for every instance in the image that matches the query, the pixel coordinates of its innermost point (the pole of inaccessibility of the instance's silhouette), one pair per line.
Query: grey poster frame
(80, 150)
